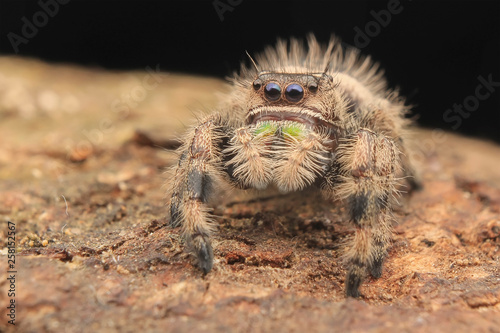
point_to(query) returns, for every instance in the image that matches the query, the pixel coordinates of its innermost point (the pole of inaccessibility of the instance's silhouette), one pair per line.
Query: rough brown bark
(108, 262)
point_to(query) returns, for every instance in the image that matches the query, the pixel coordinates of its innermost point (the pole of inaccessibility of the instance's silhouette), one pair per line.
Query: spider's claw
(376, 268)
(204, 253)
(353, 281)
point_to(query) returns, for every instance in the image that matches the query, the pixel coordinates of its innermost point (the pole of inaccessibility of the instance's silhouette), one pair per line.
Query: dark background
(433, 50)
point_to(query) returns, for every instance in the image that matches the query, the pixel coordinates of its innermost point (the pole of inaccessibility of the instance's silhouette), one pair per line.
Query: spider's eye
(313, 87)
(257, 84)
(294, 93)
(272, 91)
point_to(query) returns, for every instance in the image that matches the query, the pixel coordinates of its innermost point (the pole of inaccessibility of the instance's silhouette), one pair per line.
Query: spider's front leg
(369, 164)
(195, 173)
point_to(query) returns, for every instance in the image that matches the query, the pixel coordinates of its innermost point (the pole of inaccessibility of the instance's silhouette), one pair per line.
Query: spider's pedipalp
(250, 162)
(301, 161)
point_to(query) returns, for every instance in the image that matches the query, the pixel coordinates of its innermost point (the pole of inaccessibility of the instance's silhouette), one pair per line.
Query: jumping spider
(315, 115)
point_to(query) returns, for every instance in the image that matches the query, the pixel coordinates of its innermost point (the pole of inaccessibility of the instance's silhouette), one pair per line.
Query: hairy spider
(315, 115)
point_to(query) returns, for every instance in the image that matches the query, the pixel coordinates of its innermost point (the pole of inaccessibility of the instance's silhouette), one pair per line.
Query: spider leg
(369, 163)
(192, 185)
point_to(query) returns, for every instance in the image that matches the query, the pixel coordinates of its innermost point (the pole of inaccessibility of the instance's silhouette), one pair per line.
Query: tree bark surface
(83, 155)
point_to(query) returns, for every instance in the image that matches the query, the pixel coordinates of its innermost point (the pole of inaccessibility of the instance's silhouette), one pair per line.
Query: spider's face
(303, 98)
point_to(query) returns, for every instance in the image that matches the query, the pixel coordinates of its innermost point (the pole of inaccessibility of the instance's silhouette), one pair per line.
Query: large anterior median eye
(272, 91)
(294, 92)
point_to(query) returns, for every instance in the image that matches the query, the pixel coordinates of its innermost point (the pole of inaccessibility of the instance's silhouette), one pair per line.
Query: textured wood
(108, 262)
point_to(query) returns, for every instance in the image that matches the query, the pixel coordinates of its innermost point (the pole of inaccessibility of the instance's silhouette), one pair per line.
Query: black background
(433, 50)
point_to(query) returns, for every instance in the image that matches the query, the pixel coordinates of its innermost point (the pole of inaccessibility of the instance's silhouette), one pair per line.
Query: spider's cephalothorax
(313, 115)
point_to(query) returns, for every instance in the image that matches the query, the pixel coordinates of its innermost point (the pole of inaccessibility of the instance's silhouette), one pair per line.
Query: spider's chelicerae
(302, 115)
